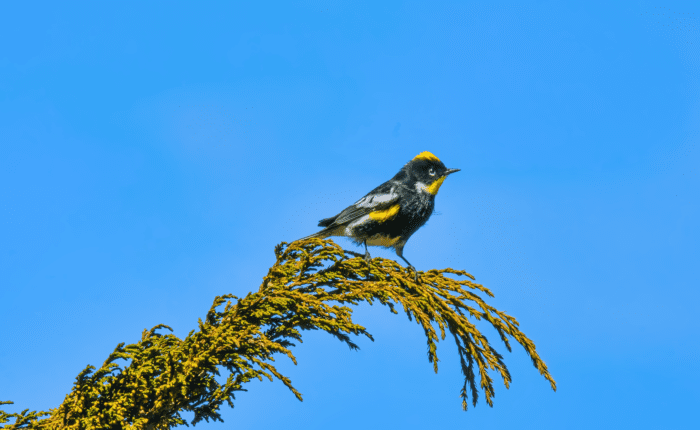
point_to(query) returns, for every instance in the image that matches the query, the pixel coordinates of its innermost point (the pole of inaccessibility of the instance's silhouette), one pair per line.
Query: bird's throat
(435, 186)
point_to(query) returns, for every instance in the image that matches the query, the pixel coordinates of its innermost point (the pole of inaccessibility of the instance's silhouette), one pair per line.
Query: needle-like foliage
(308, 288)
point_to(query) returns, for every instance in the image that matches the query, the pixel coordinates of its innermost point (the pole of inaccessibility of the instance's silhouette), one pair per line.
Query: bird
(389, 214)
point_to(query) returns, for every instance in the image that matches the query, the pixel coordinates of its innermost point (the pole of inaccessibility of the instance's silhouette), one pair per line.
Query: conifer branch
(308, 288)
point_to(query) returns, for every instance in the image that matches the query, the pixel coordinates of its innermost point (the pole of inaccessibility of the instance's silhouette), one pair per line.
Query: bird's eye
(431, 172)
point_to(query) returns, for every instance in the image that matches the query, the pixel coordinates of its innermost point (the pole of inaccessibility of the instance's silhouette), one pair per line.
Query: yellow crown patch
(425, 155)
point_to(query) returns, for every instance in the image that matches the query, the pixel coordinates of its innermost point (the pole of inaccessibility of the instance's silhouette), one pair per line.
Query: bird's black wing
(380, 198)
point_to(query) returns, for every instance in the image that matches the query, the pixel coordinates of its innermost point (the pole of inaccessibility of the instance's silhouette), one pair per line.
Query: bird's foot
(368, 259)
(414, 271)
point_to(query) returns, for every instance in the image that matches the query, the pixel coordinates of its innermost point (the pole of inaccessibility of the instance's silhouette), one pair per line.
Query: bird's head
(426, 172)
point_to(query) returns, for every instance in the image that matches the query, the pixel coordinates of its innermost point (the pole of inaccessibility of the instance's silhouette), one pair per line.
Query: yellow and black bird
(393, 211)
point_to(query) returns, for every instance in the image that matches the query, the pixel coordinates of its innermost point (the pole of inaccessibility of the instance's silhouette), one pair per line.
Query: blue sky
(152, 156)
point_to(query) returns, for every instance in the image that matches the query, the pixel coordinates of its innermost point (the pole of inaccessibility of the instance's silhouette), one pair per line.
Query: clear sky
(152, 154)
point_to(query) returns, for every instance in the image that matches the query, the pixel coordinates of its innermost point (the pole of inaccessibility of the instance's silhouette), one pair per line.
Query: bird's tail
(328, 231)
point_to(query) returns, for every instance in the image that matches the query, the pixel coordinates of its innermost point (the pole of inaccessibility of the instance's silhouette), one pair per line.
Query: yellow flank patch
(435, 186)
(384, 215)
(425, 155)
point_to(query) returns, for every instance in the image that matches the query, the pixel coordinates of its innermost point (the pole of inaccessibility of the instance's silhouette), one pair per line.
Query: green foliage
(308, 288)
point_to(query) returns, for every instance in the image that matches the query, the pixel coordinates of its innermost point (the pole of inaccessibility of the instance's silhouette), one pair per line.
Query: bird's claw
(414, 271)
(368, 259)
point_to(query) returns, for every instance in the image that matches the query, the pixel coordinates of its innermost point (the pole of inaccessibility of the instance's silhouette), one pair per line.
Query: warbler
(389, 214)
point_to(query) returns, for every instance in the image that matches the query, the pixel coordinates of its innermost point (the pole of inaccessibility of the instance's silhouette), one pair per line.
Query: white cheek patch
(421, 187)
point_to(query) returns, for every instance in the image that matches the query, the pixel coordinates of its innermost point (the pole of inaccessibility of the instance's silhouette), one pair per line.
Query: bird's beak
(450, 171)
